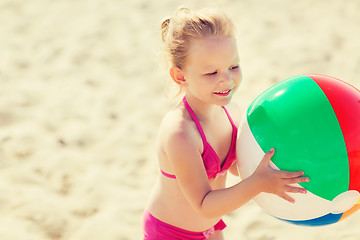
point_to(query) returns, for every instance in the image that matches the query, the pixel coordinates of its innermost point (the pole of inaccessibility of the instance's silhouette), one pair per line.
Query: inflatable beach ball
(313, 122)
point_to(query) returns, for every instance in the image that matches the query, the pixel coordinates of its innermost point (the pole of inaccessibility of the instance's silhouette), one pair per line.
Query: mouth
(223, 93)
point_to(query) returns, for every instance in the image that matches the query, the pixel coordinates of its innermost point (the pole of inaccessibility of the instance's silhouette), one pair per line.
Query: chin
(223, 101)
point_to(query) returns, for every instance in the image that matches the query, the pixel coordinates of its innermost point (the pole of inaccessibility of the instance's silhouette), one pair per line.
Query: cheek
(237, 77)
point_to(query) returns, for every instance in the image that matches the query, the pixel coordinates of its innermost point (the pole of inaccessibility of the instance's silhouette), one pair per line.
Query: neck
(203, 111)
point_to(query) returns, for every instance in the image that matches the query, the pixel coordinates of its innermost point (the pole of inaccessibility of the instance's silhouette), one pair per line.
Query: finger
(286, 197)
(288, 188)
(295, 180)
(286, 174)
(267, 157)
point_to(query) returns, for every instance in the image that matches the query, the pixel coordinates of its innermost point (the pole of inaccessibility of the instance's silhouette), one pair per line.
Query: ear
(178, 76)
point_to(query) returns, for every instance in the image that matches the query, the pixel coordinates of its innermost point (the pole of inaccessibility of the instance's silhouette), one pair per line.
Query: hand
(277, 182)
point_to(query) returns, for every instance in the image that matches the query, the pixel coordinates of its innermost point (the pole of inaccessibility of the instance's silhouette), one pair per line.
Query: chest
(219, 135)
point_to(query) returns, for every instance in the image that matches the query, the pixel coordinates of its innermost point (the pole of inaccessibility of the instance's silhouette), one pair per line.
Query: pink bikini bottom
(154, 229)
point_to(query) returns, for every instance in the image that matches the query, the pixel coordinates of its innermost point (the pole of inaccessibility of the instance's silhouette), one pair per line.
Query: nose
(226, 78)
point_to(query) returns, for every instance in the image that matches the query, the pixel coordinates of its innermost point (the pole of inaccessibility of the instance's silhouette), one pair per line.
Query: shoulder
(177, 130)
(235, 112)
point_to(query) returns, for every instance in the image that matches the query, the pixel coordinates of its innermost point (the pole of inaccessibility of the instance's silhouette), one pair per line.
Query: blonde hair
(186, 26)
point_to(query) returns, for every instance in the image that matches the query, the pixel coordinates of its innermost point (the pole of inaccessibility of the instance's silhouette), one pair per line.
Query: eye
(211, 73)
(234, 67)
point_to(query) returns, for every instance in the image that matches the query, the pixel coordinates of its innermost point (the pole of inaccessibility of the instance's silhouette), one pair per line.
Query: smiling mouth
(223, 93)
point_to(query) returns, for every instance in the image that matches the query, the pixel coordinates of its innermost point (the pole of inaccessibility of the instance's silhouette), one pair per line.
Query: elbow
(206, 211)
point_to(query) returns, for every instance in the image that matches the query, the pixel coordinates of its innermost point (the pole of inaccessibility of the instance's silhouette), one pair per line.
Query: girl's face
(213, 73)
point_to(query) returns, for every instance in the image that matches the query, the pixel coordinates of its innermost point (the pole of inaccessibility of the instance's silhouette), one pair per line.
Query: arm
(186, 161)
(264, 179)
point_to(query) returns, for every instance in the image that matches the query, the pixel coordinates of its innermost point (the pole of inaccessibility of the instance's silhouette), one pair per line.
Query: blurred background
(83, 91)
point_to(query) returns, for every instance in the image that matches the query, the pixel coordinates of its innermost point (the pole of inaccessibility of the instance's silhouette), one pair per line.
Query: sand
(82, 97)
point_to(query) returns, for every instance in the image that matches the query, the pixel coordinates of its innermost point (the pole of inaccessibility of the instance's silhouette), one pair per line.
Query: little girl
(197, 138)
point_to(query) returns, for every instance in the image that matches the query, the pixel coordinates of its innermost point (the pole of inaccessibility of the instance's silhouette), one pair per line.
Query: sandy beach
(82, 92)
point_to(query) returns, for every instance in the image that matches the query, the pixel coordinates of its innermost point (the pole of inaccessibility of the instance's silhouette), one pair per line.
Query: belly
(169, 205)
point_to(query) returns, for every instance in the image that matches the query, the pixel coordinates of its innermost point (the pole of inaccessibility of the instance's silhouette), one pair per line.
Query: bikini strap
(167, 174)
(193, 116)
(230, 119)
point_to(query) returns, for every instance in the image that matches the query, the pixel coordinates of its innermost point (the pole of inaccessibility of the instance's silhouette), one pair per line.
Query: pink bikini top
(210, 158)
